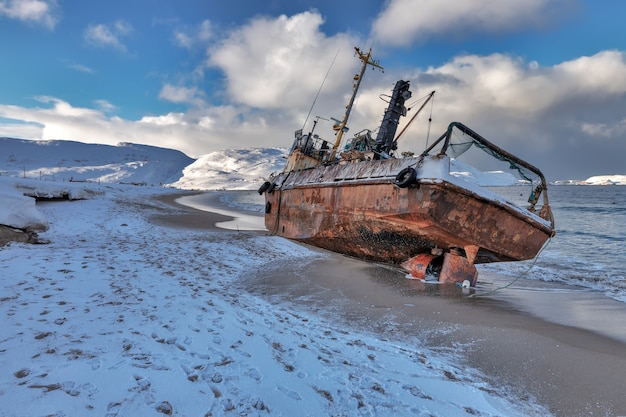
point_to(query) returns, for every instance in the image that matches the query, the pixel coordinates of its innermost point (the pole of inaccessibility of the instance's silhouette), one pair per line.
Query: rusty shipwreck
(360, 200)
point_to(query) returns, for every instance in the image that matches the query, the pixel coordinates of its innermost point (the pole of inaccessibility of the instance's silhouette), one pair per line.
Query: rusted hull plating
(370, 218)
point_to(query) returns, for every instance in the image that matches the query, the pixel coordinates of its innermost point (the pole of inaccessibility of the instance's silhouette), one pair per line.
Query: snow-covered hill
(232, 169)
(62, 160)
(606, 180)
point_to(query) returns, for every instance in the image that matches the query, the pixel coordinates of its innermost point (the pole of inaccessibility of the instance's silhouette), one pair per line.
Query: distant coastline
(595, 180)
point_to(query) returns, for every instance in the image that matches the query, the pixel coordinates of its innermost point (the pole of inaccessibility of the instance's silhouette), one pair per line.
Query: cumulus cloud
(42, 12)
(281, 62)
(509, 84)
(546, 114)
(403, 22)
(105, 36)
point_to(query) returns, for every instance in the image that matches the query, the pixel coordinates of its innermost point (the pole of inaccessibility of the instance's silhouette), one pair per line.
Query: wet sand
(187, 217)
(565, 348)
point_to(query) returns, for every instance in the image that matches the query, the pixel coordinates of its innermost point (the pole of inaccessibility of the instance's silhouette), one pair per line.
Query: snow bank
(484, 179)
(18, 197)
(19, 211)
(55, 190)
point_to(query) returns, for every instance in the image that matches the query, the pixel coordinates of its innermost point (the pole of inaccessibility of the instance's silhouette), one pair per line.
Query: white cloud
(205, 31)
(170, 119)
(404, 22)
(604, 130)
(280, 63)
(102, 35)
(184, 95)
(602, 72)
(81, 68)
(105, 106)
(541, 113)
(63, 109)
(507, 83)
(195, 132)
(183, 40)
(20, 130)
(33, 11)
(188, 38)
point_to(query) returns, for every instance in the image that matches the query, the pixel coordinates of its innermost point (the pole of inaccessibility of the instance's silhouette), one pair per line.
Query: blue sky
(545, 79)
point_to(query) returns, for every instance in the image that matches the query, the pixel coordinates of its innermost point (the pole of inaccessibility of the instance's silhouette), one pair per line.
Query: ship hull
(368, 216)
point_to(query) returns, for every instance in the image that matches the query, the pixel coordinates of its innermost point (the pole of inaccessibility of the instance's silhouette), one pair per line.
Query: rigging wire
(413, 103)
(524, 273)
(425, 100)
(320, 90)
(430, 121)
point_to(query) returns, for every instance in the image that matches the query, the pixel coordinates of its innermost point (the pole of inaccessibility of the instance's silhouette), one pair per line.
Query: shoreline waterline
(210, 202)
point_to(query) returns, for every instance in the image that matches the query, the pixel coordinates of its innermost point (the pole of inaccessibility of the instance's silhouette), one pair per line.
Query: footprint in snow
(255, 374)
(290, 393)
(165, 408)
(95, 363)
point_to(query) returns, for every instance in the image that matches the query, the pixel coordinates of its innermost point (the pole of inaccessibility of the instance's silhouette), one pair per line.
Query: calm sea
(589, 249)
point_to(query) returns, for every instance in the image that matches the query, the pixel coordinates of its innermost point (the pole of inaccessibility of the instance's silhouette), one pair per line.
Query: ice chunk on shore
(19, 211)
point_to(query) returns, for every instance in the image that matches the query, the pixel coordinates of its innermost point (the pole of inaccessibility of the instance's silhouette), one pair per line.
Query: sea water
(588, 248)
(587, 251)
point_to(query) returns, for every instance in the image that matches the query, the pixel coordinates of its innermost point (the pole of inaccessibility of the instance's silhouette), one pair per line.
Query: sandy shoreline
(544, 352)
(187, 217)
(572, 371)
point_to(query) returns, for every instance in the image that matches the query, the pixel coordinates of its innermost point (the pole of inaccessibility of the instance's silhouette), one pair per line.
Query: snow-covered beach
(120, 315)
(138, 305)
(132, 310)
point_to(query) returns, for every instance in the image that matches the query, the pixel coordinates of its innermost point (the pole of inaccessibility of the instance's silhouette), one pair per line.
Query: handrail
(545, 213)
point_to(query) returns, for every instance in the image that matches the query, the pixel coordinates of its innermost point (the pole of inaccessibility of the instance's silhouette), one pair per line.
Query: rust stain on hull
(311, 215)
(372, 219)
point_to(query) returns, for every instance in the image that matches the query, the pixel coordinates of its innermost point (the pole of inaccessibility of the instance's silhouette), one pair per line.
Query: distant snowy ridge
(596, 180)
(232, 169)
(62, 160)
(606, 180)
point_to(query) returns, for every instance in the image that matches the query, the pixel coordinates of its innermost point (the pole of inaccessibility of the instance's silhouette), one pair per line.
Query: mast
(389, 125)
(341, 127)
